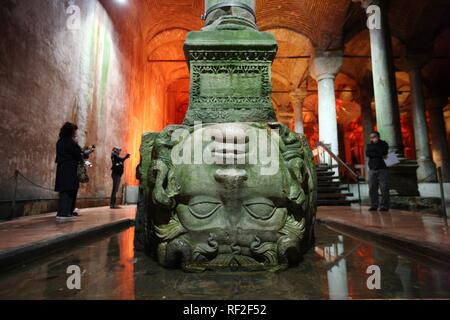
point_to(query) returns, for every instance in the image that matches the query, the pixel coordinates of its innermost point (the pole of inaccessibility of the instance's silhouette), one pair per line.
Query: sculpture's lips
(236, 235)
(231, 151)
(230, 262)
(229, 156)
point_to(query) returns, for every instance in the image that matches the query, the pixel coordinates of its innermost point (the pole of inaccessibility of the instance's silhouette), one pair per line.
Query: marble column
(439, 143)
(297, 99)
(365, 101)
(427, 170)
(403, 176)
(324, 67)
(386, 99)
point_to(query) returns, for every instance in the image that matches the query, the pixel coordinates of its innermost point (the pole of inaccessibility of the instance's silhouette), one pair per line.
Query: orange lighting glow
(158, 101)
(126, 279)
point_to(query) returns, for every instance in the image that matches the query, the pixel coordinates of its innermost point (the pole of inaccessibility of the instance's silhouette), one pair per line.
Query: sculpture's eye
(204, 207)
(261, 208)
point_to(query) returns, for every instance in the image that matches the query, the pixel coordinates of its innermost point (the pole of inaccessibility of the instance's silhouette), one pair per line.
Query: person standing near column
(377, 150)
(117, 173)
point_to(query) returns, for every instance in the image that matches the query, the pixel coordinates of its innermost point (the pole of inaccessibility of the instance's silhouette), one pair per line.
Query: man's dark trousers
(116, 184)
(379, 179)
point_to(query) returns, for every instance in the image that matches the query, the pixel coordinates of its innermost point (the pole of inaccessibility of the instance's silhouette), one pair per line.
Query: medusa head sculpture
(212, 199)
(231, 187)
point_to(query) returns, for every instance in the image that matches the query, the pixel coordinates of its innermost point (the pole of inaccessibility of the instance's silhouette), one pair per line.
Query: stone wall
(51, 73)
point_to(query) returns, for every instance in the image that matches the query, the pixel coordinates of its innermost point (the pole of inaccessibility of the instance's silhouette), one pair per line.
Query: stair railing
(323, 148)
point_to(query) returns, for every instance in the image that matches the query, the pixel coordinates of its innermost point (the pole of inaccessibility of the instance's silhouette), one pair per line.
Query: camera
(88, 150)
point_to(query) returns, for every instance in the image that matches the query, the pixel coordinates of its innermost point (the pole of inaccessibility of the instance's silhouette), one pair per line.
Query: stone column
(386, 99)
(439, 135)
(297, 99)
(427, 170)
(365, 101)
(324, 67)
(403, 176)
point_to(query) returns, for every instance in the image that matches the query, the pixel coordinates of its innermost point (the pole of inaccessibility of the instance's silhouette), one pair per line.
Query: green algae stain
(90, 65)
(106, 62)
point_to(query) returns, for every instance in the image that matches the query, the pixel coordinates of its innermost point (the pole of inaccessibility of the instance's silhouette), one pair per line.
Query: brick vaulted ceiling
(154, 32)
(324, 22)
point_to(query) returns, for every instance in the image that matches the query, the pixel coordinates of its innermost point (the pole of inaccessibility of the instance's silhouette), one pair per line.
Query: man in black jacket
(117, 172)
(377, 151)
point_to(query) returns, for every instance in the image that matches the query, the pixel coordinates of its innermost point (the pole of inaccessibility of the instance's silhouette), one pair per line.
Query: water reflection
(126, 254)
(337, 272)
(336, 269)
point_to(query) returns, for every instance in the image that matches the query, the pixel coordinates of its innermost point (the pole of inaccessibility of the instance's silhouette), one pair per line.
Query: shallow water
(335, 269)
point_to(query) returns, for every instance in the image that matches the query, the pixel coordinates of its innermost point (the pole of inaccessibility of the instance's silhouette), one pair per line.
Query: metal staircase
(332, 190)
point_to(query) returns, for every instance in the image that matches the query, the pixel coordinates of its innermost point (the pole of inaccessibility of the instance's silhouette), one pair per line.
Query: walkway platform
(421, 235)
(418, 234)
(28, 237)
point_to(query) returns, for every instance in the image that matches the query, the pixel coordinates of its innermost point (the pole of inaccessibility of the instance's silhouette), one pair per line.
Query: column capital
(325, 64)
(298, 96)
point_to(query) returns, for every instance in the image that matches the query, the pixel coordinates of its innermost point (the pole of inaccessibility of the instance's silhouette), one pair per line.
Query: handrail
(441, 185)
(339, 160)
(343, 164)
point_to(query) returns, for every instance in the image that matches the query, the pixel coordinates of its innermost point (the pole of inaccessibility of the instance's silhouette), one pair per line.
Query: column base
(403, 178)
(426, 171)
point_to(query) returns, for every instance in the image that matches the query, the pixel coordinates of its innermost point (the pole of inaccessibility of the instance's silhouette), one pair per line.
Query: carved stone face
(232, 204)
(230, 197)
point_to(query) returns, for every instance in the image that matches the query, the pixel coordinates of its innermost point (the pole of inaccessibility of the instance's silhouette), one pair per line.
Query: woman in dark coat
(68, 155)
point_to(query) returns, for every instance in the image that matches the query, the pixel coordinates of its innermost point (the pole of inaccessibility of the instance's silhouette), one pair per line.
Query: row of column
(324, 67)
(427, 170)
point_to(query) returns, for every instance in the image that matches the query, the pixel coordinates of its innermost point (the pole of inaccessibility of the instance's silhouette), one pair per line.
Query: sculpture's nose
(232, 180)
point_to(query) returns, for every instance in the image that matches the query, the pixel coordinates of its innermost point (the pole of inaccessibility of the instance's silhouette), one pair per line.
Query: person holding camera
(69, 155)
(117, 173)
